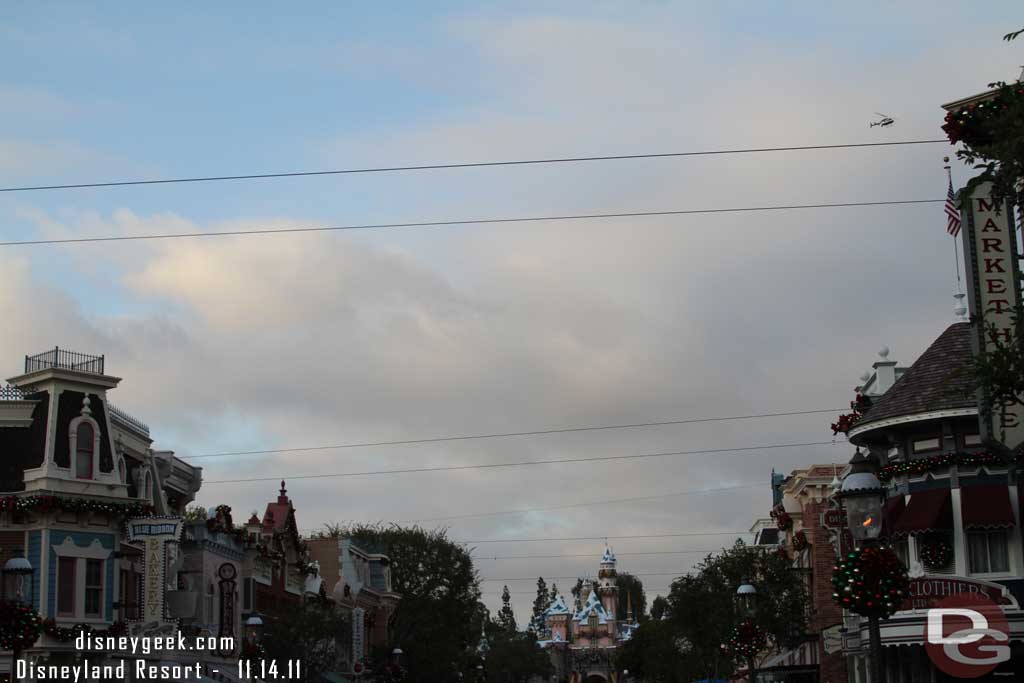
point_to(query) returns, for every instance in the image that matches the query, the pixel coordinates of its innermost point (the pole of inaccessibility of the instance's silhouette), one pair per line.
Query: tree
(631, 596)
(702, 607)
(506, 617)
(540, 605)
(315, 633)
(654, 654)
(438, 618)
(516, 658)
(992, 135)
(577, 592)
(554, 593)
(659, 607)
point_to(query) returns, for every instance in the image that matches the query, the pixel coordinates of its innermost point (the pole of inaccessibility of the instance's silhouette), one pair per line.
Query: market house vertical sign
(993, 276)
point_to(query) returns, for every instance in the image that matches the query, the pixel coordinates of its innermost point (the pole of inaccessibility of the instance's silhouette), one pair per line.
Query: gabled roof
(276, 516)
(557, 606)
(939, 380)
(593, 606)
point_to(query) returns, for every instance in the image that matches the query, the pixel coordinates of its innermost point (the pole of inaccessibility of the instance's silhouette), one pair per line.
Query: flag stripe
(952, 213)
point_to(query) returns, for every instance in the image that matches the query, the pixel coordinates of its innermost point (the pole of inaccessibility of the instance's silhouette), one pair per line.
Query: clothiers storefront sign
(927, 592)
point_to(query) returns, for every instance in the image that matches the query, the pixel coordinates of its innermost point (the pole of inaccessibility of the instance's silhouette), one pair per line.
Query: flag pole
(956, 250)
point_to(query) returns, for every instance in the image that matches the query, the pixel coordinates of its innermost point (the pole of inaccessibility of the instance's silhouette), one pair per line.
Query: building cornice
(857, 430)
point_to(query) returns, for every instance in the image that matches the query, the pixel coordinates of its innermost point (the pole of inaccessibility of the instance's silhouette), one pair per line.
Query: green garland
(746, 640)
(69, 633)
(943, 460)
(783, 520)
(935, 553)
(871, 582)
(20, 626)
(46, 503)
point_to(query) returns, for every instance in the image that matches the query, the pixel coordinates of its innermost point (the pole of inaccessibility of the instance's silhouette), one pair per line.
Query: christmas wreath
(870, 581)
(800, 541)
(746, 640)
(783, 520)
(20, 626)
(935, 553)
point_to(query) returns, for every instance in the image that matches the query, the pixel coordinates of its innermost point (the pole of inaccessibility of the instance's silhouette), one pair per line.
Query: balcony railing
(10, 392)
(64, 359)
(132, 422)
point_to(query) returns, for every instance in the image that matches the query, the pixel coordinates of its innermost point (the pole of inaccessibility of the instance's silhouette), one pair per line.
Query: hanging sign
(993, 279)
(358, 634)
(154, 533)
(227, 573)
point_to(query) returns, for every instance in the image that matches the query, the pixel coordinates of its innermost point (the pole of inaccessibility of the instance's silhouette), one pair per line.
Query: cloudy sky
(290, 341)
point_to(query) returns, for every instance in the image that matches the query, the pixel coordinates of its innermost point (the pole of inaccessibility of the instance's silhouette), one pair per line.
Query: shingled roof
(939, 380)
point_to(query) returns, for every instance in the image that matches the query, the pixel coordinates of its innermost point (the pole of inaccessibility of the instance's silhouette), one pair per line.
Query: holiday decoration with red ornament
(746, 640)
(44, 504)
(858, 406)
(936, 552)
(973, 124)
(870, 581)
(800, 542)
(943, 460)
(252, 650)
(69, 633)
(20, 626)
(783, 520)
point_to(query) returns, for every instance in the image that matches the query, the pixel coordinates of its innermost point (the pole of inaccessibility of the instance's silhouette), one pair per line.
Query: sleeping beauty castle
(582, 640)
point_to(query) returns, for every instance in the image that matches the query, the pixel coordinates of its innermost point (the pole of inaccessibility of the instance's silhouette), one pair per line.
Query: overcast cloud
(309, 339)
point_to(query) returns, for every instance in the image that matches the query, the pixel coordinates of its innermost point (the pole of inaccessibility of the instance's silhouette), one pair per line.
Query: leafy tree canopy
(438, 618)
(315, 633)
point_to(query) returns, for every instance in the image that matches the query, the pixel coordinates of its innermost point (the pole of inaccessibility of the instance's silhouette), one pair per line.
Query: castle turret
(607, 586)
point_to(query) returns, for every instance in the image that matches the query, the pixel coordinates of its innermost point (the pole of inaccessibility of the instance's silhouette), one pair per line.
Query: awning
(986, 507)
(894, 508)
(926, 511)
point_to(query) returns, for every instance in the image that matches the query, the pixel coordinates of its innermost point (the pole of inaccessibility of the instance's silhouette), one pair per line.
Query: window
(211, 618)
(972, 439)
(83, 451)
(923, 445)
(93, 588)
(901, 547)
(122, 469)
(66, 586)
(247, 588)
(987, 552)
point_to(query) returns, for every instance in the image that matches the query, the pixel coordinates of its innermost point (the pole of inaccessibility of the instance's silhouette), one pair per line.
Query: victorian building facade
(73, 469)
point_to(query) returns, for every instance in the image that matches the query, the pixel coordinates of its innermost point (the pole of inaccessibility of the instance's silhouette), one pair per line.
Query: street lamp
(254, 628)
(15, 571)
(863, 497)
(746, 602)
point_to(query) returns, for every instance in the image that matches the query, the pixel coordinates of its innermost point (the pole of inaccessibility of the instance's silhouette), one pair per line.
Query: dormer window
(84, 455)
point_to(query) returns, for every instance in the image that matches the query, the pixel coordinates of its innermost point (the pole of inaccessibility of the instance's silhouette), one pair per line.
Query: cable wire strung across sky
(523, 463)
(481, 164)
(501, 435)
(450, 223)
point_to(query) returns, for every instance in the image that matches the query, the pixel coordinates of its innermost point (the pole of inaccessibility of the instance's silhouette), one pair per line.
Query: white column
(959, 537)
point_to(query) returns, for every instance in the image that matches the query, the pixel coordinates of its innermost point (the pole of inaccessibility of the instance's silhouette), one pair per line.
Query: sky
(299, 340)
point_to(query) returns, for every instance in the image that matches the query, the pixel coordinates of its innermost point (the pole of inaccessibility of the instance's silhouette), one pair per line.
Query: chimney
(885, 372)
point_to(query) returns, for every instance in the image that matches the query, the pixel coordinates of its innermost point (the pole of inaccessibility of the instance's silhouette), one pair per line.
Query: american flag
(952, 213)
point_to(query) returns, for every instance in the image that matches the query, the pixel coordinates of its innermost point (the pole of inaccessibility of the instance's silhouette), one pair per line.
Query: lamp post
(15, 571)
(253, 628)
(863, 497)
(746, 602)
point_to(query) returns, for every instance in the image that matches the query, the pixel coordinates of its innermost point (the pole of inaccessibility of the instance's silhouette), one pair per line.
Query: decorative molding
(904, 419)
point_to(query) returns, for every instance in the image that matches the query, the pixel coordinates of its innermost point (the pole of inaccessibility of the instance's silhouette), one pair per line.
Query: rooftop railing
(10, 392)
(64, 359)
(133, 422)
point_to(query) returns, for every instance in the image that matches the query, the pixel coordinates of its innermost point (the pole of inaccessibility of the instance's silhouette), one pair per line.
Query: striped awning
(926, 511)
(987, 507)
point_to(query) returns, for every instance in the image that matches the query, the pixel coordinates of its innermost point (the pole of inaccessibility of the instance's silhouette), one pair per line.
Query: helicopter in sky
(885, 121)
